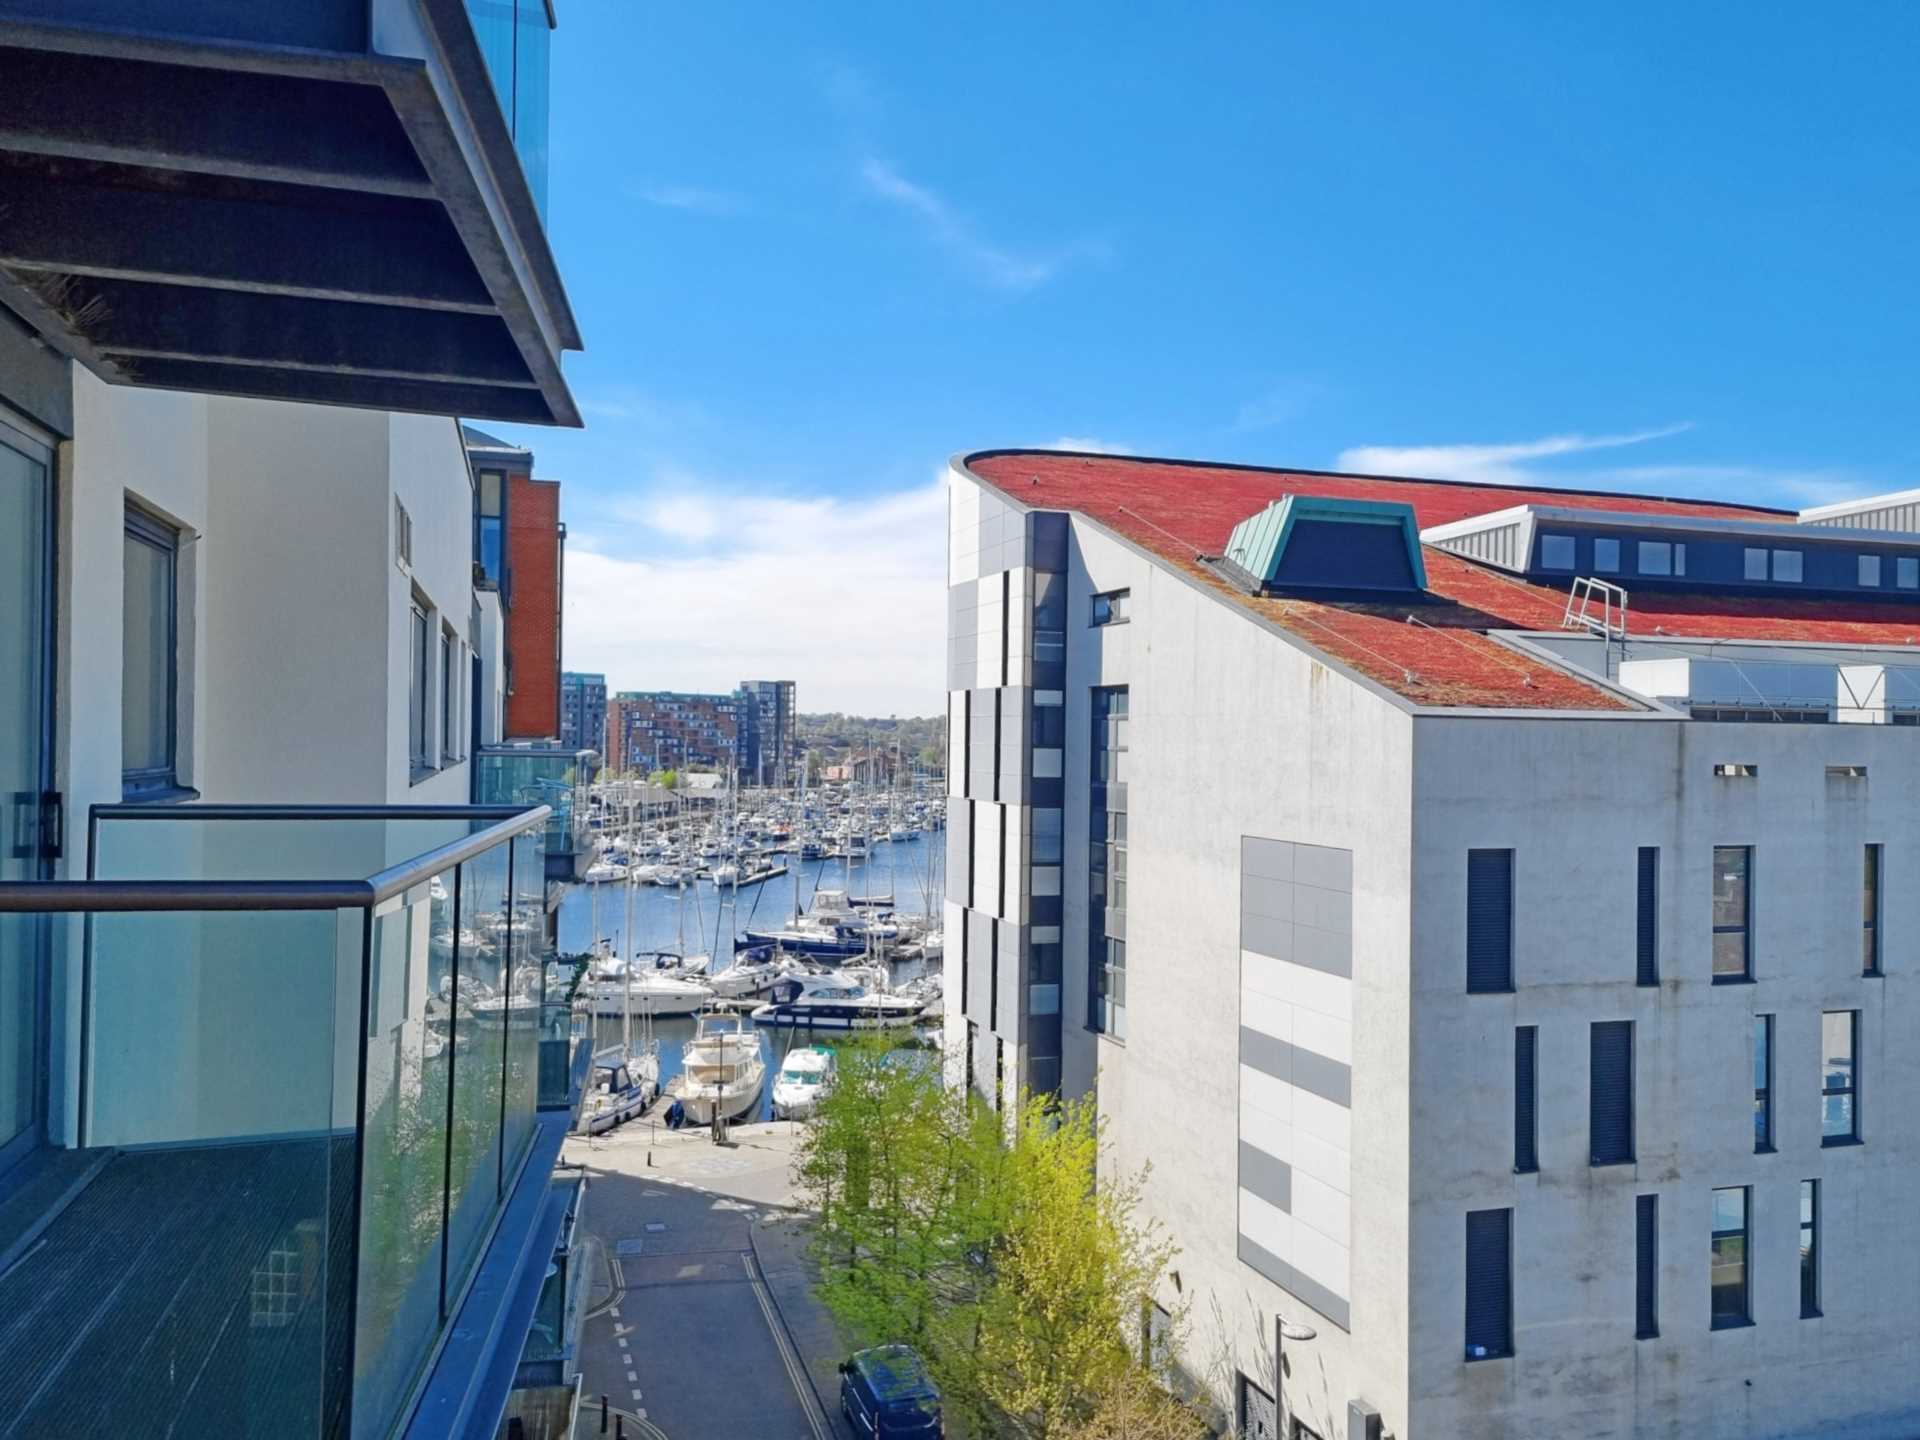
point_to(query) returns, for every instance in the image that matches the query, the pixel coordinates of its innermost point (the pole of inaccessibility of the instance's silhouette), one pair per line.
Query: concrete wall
(1575, 799)
(1235, 732)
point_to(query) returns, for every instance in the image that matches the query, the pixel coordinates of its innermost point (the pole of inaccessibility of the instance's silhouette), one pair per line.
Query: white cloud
(696, 199)
(847, 597)
(1502, 464)
(1002, 268)
(1089, 444)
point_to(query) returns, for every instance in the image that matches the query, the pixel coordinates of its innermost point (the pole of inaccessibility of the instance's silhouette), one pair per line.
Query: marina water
(913, 871)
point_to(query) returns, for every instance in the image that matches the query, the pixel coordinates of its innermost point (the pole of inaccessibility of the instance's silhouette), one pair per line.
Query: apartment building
(768, 740)
(520, 550)
(651, 730)
(1480, 909)
(583, 711)
(246, 914)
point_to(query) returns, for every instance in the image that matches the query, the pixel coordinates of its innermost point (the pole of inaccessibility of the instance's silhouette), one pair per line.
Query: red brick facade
(536, 560)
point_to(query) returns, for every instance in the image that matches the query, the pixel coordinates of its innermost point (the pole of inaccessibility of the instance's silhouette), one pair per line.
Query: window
(1489, 922)
(1526, 1156)
(1647, 930)
(1762, 1084)
(1112, 607)
(1646, 1267)
(1489, 1284)
(1107, 866)
(149, 640)
(1870, 570)
(1258, 1417)
(1730, 1257)
(1870, 913)
(1906, 572)
(449, 725)
(1606, 556)
(1732, 912)
(402, 534)
(1809, 1249)
(1756, 563)
(1610, 1092)
(1656, 557)
(1839, 1077)
(420, 730)
(1556, 552)
(1786, 566)
(489, 525)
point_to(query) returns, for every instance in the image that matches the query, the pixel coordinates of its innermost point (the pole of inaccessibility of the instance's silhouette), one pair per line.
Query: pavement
(702, 1323)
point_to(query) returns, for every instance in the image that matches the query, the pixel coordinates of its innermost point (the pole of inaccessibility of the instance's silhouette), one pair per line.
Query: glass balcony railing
(538, 775)
(302, 1075)
(515, 38)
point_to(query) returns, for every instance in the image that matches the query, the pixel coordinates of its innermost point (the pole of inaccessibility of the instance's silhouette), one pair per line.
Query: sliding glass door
(25, 518)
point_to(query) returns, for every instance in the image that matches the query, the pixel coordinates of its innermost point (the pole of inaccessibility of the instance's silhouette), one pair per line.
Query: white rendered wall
(1575, 799)
(1234, 731)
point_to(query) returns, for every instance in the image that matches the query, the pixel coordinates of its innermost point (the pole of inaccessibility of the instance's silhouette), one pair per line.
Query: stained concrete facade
(1242, 736)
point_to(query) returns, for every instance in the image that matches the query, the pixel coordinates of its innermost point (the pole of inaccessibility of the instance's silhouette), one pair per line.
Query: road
(703, 1327)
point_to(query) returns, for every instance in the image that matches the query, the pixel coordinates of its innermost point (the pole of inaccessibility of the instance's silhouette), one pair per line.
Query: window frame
(1505, 983)
(1111, 607)
(419, 689)
(1810, 1250)
(1850, 1090)
(1526, 1099)
(156, 782)
(1795, 560)
(1599, 1032)
(1646, 1266)
(1870, 565)
(1505, 1349)
(1572, 550)
(1731, 1321)
(1606, 567)
(1762, 1056)
(1872, 898)
(1745, 928)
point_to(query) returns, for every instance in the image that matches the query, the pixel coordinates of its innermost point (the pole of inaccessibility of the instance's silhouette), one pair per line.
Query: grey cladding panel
(1270, 1179)
(1291, 1280)
(1329, 1079)
(1296, 903)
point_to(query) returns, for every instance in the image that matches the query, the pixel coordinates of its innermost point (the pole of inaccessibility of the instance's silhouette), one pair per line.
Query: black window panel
(1489, 1283)
(1489, 921)
(1732, 912)
(1809, 1249)
(1525, 1150)
(1730, 1275)
(1647, 933)
(1762, 1083)
(1646, 1267)
(1870, 913)
(1610, 1092)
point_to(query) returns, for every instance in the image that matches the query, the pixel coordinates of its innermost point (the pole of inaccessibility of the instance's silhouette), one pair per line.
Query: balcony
(336, 201)
(295, 1174)
(550, 775)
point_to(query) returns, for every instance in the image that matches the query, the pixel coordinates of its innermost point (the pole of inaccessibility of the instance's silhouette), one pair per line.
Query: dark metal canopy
(270, 206)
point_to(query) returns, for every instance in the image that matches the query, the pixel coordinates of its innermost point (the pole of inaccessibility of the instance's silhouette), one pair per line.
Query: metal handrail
(101, 896)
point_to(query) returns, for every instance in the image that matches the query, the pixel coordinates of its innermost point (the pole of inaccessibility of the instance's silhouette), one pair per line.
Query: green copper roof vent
(1313, 543)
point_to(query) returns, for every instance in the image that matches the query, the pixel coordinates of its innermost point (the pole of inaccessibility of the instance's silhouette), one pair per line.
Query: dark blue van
(888, 1396)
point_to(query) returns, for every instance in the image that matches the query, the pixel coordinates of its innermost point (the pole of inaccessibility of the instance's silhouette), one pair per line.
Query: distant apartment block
(1477, 905)
(520, 553)
(583, 711)
(768, 741)
(671, 730)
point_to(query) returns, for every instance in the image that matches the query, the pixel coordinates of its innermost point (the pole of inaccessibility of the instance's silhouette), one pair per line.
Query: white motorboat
(651, 993)
(752, 976)
(828, 1002)
(605, 872)
(721, 1069)
(727, 874)
(803, 1081)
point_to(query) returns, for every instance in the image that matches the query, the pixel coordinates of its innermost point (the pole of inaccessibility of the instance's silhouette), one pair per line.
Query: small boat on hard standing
(720, 1069)
(802, 1082)
(623, 1086)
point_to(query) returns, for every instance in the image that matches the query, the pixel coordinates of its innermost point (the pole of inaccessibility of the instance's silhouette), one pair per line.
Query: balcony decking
(169, 1276)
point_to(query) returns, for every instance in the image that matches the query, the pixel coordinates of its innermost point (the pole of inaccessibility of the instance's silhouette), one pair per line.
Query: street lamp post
(1283, 1331)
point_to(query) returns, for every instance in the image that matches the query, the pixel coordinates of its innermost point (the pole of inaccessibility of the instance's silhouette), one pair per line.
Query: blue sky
(817, 249)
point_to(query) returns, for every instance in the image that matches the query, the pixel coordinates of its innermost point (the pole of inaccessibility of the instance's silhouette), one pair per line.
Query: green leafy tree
(982, 1240)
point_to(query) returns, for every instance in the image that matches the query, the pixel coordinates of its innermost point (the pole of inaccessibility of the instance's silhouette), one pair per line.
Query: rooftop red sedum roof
(1431, 654)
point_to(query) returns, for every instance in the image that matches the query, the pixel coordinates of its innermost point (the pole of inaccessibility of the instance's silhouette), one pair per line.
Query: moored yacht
(721, 1069)
(828, 1002)
(803, 1081)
